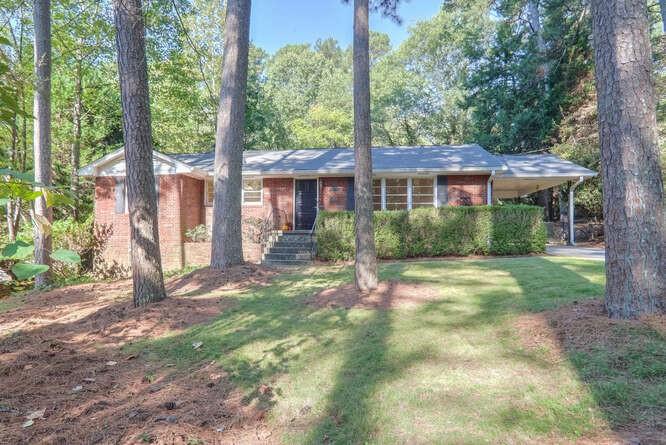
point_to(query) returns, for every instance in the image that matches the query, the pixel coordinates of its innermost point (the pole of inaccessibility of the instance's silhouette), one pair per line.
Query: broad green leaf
(4, 201)
(18, 250)
(54, 198)
(22, 176)
(66, 256)
(23, 271)
(42, 223)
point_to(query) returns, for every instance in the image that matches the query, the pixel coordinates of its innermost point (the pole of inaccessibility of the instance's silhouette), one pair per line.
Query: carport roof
(540, 165)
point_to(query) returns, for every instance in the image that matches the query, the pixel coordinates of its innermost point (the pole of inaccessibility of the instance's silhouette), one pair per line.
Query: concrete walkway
(590, 253)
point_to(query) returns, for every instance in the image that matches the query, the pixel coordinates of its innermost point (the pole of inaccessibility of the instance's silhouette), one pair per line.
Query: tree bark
(227, 242)
(366, 257)
(630, 171)
(662, 9)
(76, 143)
(147, 279)
(535, 23)
(42, 133)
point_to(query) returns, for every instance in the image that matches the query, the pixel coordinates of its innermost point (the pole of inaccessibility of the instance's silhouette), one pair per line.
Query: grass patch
(449, 370)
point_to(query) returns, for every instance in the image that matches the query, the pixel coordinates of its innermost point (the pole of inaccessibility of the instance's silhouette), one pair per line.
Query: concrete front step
(305, 256)
(283, 245)
(279, 263)
(290, 249)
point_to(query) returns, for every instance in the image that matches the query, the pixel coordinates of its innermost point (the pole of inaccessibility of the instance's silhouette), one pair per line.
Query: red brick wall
(333, 194)
(196, 254)
(117, 247)
(170, 221)
(279, 196)
(180, 208)
(467, 189)
(278, 193)
(193, 209)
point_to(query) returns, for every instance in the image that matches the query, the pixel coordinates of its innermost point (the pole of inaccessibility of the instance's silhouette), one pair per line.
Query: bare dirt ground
(65, 380)
(388, 295)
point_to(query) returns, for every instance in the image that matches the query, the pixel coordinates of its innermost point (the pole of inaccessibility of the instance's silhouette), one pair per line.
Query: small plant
(22, 186)
(198, 234)
(146, 437)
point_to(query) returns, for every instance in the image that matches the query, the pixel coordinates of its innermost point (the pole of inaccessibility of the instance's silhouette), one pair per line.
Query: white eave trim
(377, 172)
(563, 176)
(93, 168)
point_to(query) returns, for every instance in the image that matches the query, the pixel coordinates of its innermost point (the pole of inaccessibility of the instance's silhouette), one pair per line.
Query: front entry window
(252, 191)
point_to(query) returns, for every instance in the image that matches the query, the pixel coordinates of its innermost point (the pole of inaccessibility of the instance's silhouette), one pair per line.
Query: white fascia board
(91, 169)
(397, 171)
(563, 176)
(113, 164)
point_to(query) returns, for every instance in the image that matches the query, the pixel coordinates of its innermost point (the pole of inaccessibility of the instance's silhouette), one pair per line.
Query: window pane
(253, 197)
(422, 192)
(209, 192)
(396, 193)
(252, 184)
(377, 194)
(252, 191)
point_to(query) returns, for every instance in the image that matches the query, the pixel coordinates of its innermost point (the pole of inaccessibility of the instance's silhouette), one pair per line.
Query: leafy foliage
(480, 230)
(20, 186)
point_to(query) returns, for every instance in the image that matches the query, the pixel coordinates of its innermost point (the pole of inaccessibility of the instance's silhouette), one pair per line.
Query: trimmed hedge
(476, 230)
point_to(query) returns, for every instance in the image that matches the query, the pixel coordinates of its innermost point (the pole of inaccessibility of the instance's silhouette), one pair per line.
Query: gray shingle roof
(542, 165)
(445, 158)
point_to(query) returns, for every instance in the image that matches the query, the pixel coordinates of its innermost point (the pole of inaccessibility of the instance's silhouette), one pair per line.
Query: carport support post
(572, 239)
(489, 188)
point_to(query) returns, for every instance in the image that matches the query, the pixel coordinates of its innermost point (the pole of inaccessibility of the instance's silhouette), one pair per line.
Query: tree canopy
(471, 73)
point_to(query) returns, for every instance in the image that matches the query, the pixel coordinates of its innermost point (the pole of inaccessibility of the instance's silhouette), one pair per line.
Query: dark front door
(305, 204)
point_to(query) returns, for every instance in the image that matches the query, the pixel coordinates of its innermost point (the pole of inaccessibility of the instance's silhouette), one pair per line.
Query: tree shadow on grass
(350, 414)
(262, 334)
(621, 363)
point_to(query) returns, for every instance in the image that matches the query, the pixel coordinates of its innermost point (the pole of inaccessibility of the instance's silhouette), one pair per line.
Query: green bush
(476, 230)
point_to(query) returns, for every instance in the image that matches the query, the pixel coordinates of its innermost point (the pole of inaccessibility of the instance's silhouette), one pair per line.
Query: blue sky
(275, 23)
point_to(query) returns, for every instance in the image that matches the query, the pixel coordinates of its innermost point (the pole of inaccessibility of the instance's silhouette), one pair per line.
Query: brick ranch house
(284, 189)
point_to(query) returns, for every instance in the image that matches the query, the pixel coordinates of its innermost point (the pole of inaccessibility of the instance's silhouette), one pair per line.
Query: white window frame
(261, 191)
(207, 185)
(385, 194)
(411, 190)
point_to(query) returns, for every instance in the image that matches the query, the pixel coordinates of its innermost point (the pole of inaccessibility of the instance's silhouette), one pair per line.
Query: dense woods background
(490, 72)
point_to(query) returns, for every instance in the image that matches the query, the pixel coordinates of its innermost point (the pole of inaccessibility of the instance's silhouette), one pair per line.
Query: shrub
(473, 230)
(198, 234)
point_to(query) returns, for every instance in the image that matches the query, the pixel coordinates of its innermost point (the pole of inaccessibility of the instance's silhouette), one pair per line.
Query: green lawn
(452, 370)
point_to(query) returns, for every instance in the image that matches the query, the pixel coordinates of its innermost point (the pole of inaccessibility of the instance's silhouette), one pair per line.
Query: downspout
(572, 240)
(489, 188)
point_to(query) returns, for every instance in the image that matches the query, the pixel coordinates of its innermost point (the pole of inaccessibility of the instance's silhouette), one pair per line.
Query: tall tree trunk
(42, 133)
(534, 18)
(632, 182)
(76, 143)
(366, 257)
(227, 242)
(662, 8)
(147, 279)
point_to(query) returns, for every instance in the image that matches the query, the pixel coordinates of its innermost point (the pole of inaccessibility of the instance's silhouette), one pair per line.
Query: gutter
(489, 188)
